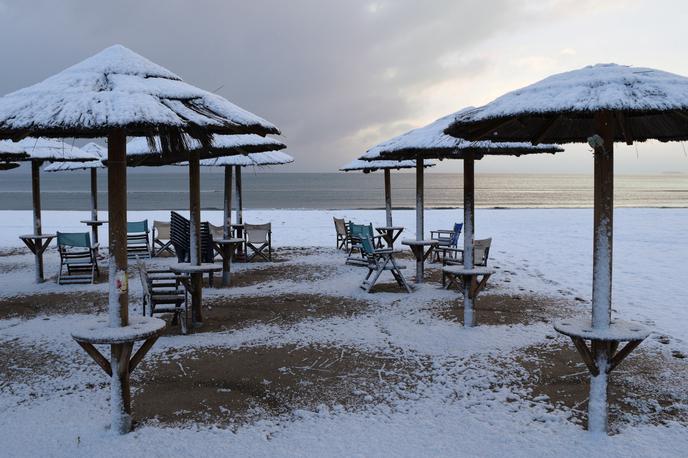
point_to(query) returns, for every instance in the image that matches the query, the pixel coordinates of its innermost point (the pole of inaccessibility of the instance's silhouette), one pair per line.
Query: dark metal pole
(36, 197)
(388, 197)
(195, 234)
(94, 203)
(468, 236)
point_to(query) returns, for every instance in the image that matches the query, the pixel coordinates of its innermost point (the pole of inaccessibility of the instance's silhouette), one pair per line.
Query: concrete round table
(226, 249)
(196, 294)
(418, 247)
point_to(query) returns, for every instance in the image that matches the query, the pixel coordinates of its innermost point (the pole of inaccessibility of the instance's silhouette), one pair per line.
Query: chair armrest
(442, 231)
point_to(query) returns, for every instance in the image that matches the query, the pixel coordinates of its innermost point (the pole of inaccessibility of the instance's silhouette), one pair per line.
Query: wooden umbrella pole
(195, 233)
(36, 197)
(94, 204)
(388, 197)
(120, 398)
(468, 236)
(602, 268)
(420, 209)
(228, 203)
(240, 197)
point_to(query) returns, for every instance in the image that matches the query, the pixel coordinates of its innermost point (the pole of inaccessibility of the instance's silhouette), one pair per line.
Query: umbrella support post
(94, 204)
(195, 235)
(420, 210)
(37, 230)
(228, 203)
(468, 222)
(388, 198)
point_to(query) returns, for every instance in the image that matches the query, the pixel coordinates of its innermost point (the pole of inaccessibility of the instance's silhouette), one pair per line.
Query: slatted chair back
(367, 247)
(143, 275)
(138, 243)
(481, 251)
(179, 234)
(257, 233)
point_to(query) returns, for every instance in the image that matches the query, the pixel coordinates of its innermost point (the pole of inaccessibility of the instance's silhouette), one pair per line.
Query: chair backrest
(161, 230)
(257, 233)
(358, 231)
(218, 232)
(74, 239)
(371, 231)
(455, 235)
(367, 244)
(137, 227)
(481, 251)
(340, 226)
(143, 275)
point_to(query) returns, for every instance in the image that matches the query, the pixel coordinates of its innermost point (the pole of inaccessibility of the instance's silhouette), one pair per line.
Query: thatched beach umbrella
(92, 167)
(115, 94)
(38, 151)
(598, 105)
(430, 142)
(373, 166)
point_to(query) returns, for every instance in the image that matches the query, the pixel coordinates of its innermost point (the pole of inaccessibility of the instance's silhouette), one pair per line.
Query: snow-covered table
(196, 293)
(580, 330)
(96, 331)
(226, 249)
(475, 276)
(37, 243)
(418, 247)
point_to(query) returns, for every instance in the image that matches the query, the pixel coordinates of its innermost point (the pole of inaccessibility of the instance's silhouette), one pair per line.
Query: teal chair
(78, 261)
(379, 260)
(138, 240)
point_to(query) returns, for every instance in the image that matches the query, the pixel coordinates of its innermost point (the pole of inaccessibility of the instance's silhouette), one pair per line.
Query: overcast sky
(339, 76)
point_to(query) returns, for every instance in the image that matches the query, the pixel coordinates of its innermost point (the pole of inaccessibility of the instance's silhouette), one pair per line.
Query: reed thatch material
(646, 104)
(372, 166)
(118, 88)
(432, 143)
(263, 159)
(141, 151)
(46, 149)
(91, 147)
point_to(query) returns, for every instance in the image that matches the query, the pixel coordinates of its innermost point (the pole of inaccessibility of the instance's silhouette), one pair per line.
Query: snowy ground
(472, 393)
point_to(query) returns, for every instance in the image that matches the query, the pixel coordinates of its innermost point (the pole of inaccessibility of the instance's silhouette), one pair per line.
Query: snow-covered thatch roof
(645, 104)
(372, 166)
(10, 151)
(432, 143)
(91, 147)
(46, 149)
(253, 159)
(140, 151)
(118, 88)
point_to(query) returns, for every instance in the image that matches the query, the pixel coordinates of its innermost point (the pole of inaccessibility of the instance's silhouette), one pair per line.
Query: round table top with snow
(461, 270)
(186, 268)
(97, 330)
(389, 228)
(94, 222)
(618, 331)
(411, 242)
(38, 236)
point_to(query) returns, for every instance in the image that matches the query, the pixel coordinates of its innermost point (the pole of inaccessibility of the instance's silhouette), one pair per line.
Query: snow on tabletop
(591, 88)
(188, 268)
(472, 271)
(419, 242)
(431, 138)
(618, 330)
(371, 166)
(97, 330)
(117, 88)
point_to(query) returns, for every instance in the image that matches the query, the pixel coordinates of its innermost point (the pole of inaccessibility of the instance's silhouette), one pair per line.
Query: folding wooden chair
(378, 261)
(164, 293)
(138, 243)
(162, 240)
(78, 257)
(454, 256)
(257, 238)
(342, 233)
(446, 238)
(356, 234)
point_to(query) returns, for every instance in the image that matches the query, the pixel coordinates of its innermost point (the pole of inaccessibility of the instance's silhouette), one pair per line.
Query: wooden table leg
(120, 397)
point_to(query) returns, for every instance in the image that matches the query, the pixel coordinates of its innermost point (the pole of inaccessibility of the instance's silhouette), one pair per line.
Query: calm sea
(161, 189)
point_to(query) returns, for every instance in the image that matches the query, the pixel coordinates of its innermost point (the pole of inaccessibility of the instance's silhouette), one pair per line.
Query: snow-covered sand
(456, 411)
